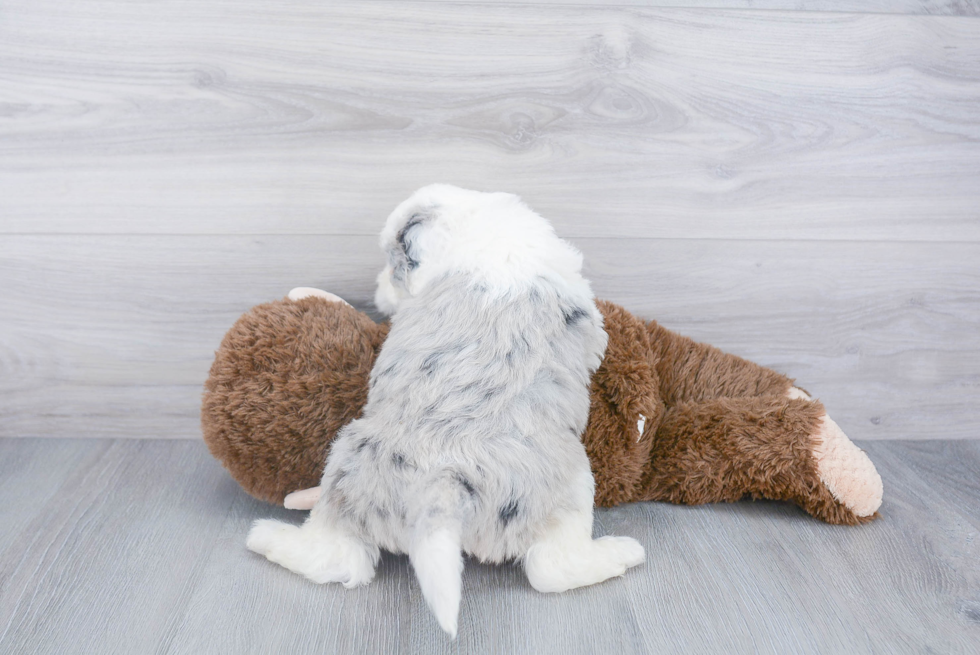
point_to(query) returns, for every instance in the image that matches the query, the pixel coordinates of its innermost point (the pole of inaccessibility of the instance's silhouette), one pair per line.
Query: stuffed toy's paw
(847, 471)
(302, 499)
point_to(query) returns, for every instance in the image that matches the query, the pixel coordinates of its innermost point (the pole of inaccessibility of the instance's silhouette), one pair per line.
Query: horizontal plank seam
(198, 438)
(700, 8)
(374, 235)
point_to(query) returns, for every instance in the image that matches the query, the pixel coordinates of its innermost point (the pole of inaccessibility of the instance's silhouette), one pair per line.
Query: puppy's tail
(438, 564)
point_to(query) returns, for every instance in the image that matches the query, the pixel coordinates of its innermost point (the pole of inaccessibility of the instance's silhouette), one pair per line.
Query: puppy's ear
(386, 296)
(404, 254)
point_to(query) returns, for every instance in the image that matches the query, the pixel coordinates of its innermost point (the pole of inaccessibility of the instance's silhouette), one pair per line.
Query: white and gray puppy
(470, 441)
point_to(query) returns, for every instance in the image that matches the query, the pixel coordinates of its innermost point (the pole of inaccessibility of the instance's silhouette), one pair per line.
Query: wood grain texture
(137, 546)
(114, 335)
(248, 117)
(935, 7)
(798, 187)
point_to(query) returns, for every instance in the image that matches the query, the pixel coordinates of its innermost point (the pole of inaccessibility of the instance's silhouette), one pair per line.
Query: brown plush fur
(289, 375)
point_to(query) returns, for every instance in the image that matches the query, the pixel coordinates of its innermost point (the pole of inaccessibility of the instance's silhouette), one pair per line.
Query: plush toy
(670, 419)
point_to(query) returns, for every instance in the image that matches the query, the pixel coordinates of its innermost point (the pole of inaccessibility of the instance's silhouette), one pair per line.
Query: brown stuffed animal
(670, 419)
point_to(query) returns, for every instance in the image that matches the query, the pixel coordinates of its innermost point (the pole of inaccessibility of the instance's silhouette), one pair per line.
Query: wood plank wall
(790, 181)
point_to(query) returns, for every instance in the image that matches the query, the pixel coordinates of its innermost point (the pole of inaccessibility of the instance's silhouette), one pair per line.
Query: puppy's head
(493, 237)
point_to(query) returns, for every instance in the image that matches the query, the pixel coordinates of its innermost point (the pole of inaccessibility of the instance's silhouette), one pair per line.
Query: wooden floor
(136, 546)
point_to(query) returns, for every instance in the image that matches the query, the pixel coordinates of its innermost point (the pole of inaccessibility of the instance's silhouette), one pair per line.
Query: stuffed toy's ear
(299, 293)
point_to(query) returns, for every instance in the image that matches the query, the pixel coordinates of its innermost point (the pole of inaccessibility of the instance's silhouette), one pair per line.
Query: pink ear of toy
(309, 292)
(302, 499)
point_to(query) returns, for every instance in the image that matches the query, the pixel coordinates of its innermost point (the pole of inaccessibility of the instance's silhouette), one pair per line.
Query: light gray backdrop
(799, 187)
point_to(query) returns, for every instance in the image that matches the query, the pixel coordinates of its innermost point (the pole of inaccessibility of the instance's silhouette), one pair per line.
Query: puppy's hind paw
(283, 544)
(315, 552)
(268, 537)
(623, 551)
(555, 567)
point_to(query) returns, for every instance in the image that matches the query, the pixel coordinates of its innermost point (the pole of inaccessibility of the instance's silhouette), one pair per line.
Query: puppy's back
(479, 399)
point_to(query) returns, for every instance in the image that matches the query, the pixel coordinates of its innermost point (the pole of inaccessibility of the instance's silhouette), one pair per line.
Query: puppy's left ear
(404, 253)
(386, 296)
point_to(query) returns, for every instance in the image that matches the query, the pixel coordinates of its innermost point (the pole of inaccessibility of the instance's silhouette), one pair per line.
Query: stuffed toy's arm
(302, 499)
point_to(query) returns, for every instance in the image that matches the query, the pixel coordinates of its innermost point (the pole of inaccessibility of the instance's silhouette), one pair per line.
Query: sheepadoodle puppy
(470, 441)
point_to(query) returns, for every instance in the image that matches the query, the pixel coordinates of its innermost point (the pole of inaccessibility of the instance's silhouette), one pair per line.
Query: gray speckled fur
(476, 407)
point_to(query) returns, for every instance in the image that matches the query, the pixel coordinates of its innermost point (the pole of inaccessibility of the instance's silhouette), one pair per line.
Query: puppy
(470, 441)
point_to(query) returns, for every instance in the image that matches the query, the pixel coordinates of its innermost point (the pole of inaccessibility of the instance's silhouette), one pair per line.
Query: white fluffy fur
(470, 441)
(493, 236)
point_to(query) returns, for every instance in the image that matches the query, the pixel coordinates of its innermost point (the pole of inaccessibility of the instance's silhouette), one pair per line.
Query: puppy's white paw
(315, 552)
(283, 544)
(268, 536)
(554, 567)
(623, 551)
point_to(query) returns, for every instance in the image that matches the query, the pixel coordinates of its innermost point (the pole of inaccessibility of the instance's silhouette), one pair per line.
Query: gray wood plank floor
(129, 546)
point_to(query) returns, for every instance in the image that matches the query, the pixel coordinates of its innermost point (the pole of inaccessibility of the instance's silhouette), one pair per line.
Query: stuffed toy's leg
(733, 429)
